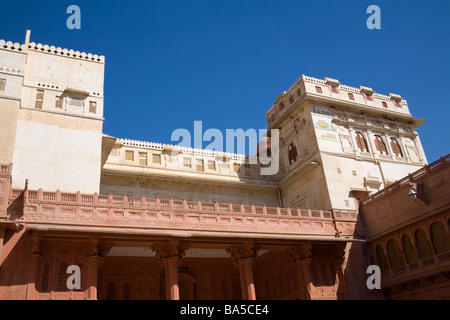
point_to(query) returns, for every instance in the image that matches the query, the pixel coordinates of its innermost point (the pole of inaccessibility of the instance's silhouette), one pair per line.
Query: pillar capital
(169, 252)
(301, 253)
(245, 253)
(243, 257)
(339, 252)
(169, 255)
(36, 238)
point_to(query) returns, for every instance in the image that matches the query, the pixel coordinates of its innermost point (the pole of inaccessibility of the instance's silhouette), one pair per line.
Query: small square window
(58, 102)
(129, 155)
(334, 89)
(236, 167)
(187, 162)
(211, 165)
(281, 106)
(39, 99)
(351, 96)
(199, 165)
(398, 104)
(156, 158)
(292, 153)
(2, 85)
(291, 99)
(354, 172)
(384, 104)
(92, 107)
(318, 89)
(299, 92)
(339, 170)
(142, 158)
(368, 97)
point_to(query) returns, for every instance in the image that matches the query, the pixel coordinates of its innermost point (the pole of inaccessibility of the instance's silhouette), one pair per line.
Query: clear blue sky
(169, 63)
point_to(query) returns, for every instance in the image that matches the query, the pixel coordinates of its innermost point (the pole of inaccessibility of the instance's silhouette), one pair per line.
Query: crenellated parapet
(150, 158)
(333, 90)
(8, 45)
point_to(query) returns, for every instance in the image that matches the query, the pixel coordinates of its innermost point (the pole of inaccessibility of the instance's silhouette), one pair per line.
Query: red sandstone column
(32, 270)
(31, 286)
(339, 259)
(301, 256)
(96, 255)
(171, 273)
(306, 271)
(249, 281)
(243, 257)
(92, 277)
(169, 256)
(243, 281)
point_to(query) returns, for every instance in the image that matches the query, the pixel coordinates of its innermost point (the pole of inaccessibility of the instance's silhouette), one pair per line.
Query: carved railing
(169, 204)
(416, 269)
(63, 208)
(411, 178)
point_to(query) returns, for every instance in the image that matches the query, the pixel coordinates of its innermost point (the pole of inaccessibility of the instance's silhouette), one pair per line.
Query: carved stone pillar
(339, 258)
(243, 257)
(34, 262)
(97, 254)
(93, 263)
(301, 256)
(169, 256)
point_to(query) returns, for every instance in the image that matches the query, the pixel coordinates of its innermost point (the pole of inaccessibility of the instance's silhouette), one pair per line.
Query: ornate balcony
(61, 211)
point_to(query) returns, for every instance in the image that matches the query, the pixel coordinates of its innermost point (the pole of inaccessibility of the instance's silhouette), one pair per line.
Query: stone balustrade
(87, 211)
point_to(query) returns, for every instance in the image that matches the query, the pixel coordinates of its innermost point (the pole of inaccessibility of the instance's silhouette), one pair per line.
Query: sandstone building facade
(145, 220)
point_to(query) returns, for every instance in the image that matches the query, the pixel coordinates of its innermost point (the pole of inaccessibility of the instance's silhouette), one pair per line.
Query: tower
(338, 143)
(52, 116)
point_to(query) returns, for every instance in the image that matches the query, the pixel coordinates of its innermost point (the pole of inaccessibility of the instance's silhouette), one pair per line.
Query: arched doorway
(187, 286)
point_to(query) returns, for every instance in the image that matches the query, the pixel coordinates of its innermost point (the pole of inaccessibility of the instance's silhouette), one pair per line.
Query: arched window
(394, 253)
(126, 291)
(292, 153)
(111, 291)
(410, 251)
(61, 280)
(423, 245)
(380, 145)
(45, 278)
(381, 258)
(395, 146)
(361, 142)
(439, 238)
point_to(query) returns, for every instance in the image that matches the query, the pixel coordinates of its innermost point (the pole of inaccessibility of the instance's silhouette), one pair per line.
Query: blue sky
(169, 63)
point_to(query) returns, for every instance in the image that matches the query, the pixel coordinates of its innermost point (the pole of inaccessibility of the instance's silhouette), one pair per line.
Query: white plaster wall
(57, 152)
(51, 68)
(352, 173)
(193, 190)
(11, 69)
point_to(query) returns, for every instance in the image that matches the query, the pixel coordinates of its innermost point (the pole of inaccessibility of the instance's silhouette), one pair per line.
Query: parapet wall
(8, 45)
